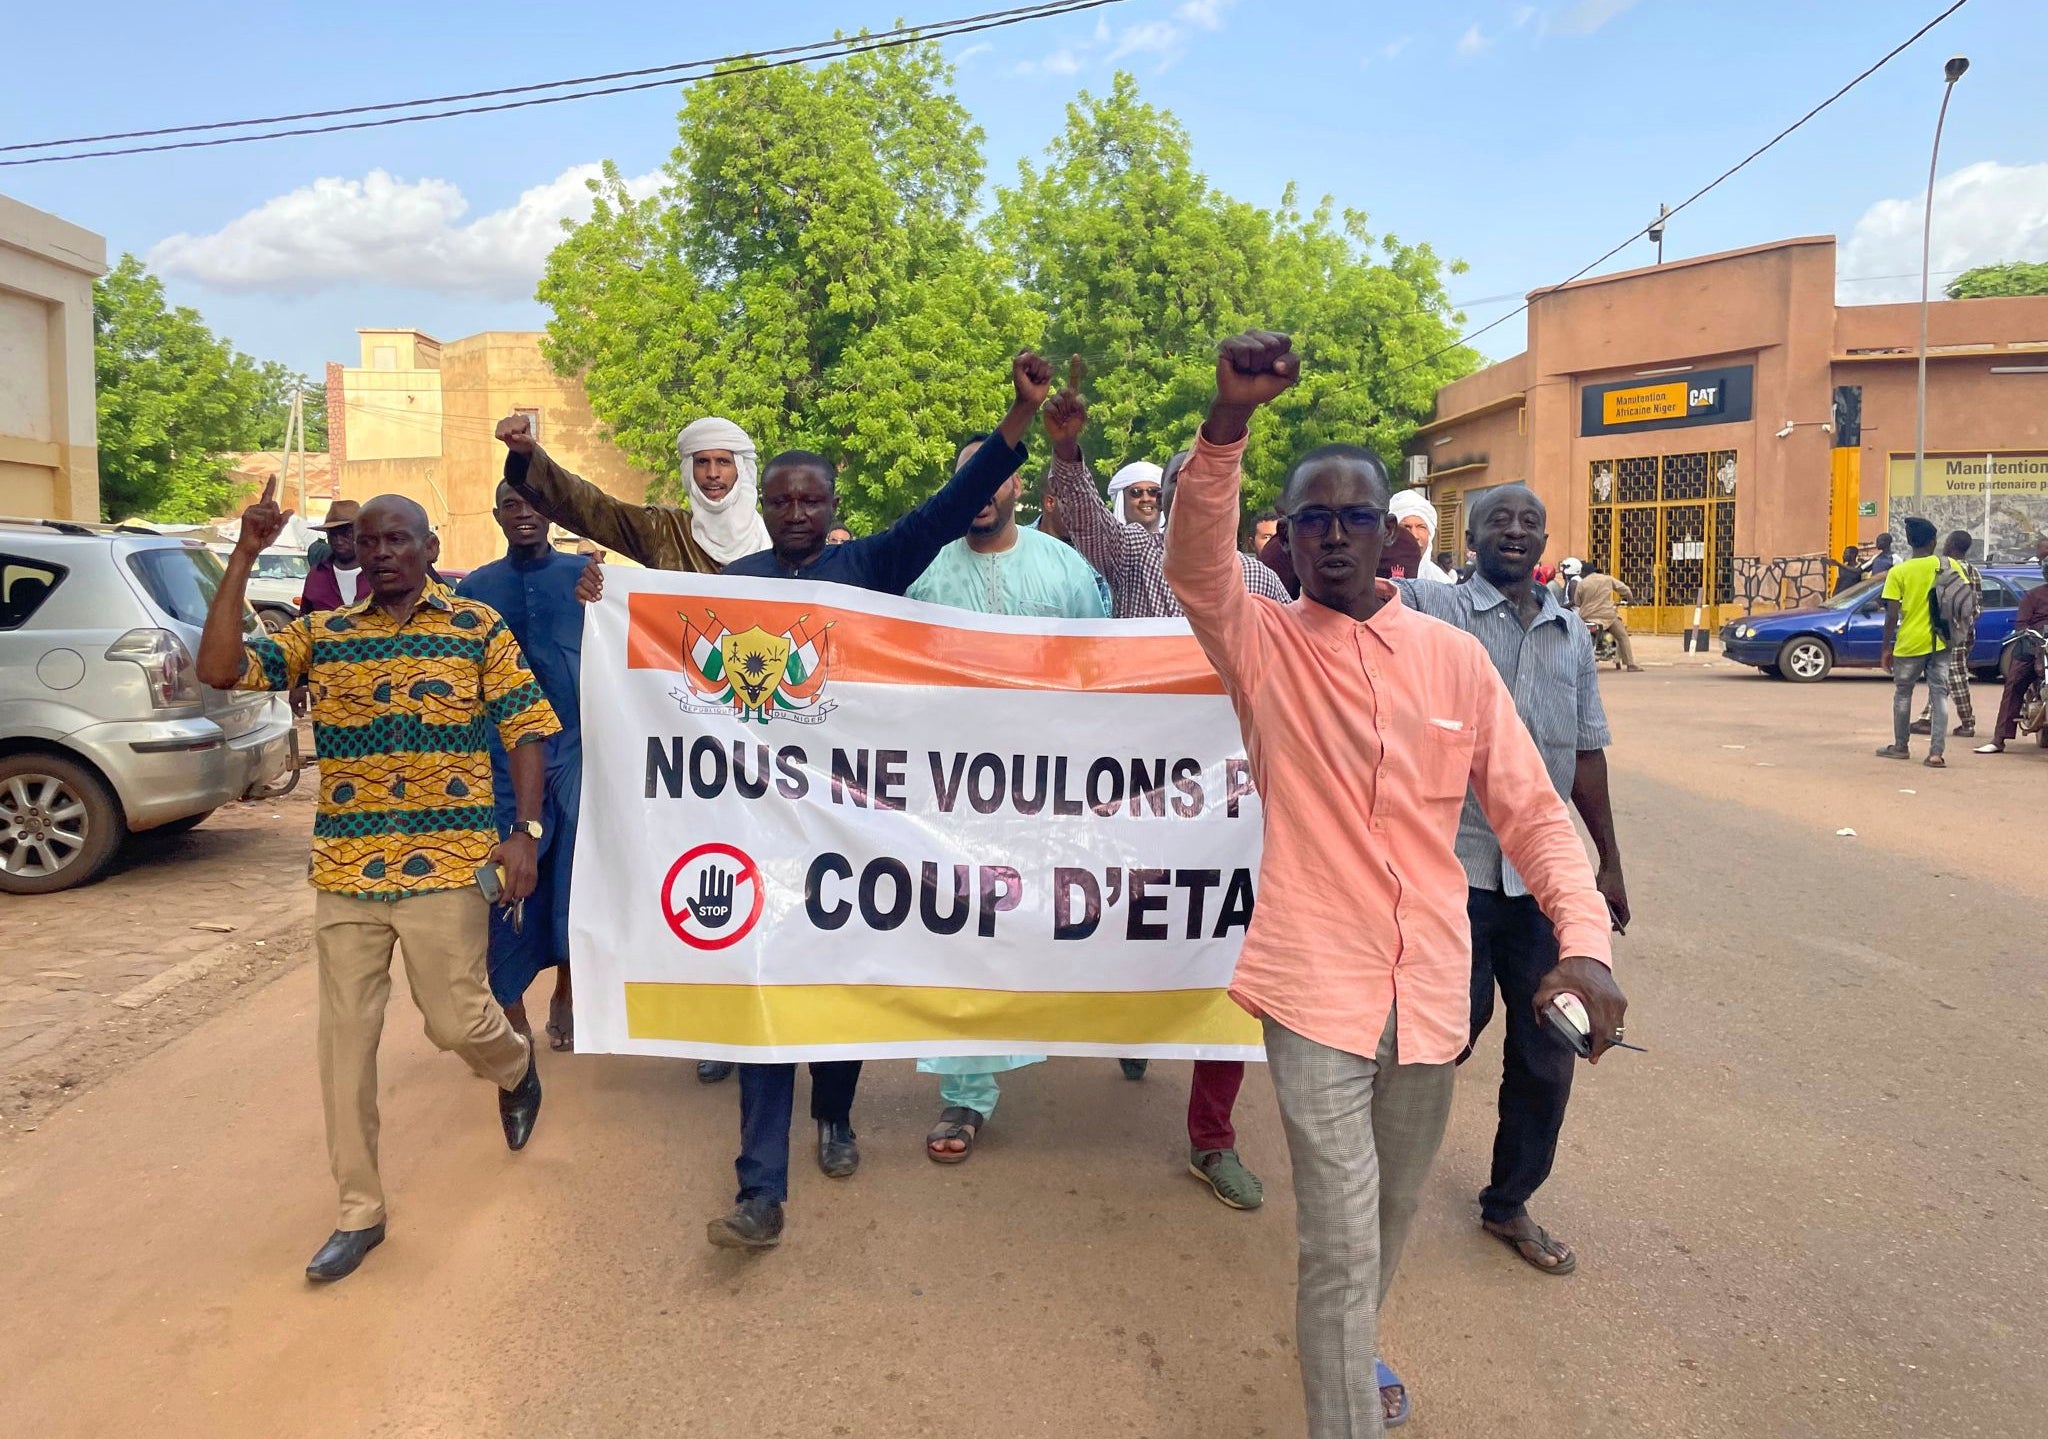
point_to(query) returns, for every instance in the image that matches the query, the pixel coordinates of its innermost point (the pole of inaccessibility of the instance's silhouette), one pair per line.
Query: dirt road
(1816, 1207)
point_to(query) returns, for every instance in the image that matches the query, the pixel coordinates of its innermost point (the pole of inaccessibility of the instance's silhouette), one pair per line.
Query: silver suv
(104, 727)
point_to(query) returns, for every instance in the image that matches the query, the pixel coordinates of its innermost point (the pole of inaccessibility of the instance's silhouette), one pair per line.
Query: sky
(1521, 138)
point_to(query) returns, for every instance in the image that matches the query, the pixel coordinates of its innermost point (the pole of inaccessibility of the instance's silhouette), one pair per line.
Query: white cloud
(1983, 214)
(1524, 16)
(1472, 42)
(1203, 14)
(1167, 40)
(1393, 48)
(386, 231)
(1150, 37)
(972, 51)
(1586, 16)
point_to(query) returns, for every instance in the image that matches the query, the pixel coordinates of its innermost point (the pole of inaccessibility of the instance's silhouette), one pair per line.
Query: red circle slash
(679, 918)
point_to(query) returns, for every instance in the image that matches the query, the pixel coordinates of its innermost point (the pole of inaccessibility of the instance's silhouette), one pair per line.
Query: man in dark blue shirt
(534, 589)
(800, 504)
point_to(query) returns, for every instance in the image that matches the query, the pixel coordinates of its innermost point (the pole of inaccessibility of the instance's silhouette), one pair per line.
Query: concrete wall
(49, 455)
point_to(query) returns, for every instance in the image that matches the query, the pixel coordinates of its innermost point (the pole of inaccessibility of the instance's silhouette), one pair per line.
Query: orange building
(1691, 423)
(417, 417)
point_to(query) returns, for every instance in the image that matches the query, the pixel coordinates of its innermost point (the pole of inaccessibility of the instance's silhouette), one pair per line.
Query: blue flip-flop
(1388, 1379)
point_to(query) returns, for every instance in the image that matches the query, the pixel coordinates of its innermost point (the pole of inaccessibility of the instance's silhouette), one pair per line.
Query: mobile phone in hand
(1567, 1015)
(491, 880)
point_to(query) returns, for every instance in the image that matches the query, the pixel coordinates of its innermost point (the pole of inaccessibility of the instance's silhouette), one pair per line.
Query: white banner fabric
(820, 823)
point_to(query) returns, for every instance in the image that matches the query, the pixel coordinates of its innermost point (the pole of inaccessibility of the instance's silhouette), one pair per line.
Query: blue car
(1848, 630)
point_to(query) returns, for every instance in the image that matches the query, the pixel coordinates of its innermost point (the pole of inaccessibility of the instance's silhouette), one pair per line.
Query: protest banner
(821, 823)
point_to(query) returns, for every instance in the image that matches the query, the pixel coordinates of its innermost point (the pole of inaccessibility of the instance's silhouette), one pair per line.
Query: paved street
(1815, 1208)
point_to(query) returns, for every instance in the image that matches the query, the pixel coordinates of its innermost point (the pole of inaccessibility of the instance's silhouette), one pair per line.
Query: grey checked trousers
(1362, 1134)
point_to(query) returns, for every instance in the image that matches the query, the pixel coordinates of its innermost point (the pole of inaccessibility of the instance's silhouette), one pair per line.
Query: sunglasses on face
(1143, 492)
(1312, 522)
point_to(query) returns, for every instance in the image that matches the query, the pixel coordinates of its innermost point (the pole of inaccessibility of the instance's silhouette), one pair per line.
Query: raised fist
(1032, 376)
(517, 433)
(1255, 368)
(262, 522)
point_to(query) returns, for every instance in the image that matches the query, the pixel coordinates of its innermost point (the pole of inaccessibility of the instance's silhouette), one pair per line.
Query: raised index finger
(1074, 371)
(270, 490)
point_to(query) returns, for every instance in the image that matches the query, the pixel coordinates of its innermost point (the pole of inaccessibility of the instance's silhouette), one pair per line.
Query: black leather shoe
(1134, 1068)
(838, 1155)
(519, 1107)
(710, 1071)
(753, 1224)
(343, 1252)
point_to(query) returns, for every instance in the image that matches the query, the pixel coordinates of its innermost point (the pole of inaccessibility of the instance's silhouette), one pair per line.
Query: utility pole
(299, 426)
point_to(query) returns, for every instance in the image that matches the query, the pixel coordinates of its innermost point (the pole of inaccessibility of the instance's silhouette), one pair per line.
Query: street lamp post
(1952, 71)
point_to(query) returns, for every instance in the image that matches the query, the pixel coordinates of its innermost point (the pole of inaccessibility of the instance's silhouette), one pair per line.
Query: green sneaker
(1227, 1177)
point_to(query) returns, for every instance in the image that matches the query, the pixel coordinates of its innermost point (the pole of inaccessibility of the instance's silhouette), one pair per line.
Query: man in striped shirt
(1132, 557)
(1545, 657)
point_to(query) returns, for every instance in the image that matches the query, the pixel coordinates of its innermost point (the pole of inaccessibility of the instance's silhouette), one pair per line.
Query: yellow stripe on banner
(794, 1014)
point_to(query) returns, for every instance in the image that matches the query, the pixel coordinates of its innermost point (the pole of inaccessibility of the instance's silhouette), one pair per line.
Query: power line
(761, 60)
(1711, 185)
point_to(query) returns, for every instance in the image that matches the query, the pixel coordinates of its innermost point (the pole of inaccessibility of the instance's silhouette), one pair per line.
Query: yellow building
(49, 436)
(417, 417)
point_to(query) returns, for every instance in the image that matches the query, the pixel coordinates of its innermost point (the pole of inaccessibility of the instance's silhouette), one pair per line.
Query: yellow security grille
(1664, 525)
(1450, 536)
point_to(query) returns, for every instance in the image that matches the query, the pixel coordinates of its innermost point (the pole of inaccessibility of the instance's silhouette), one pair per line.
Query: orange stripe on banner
(866, 648)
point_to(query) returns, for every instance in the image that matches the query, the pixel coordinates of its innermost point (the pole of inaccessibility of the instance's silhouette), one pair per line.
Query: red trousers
(1211, 1098)
(2018, 675)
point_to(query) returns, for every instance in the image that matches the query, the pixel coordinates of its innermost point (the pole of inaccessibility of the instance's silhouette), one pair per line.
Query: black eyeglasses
(1142, 492)
(1312, 522)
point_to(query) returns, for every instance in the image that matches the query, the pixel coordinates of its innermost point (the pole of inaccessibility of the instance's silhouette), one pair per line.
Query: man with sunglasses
(1365, 724)
(1545, 657)
(1132, 558)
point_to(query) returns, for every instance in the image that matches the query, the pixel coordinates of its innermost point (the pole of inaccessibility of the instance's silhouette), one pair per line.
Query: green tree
(1989, 282)
(172, 398)
(274, 413)
(1141, 265)
(807, 271)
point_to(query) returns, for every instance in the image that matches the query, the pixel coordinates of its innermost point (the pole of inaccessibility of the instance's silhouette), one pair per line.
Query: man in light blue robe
(1002, 568)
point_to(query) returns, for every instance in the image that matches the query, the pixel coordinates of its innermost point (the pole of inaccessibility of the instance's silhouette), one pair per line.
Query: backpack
(1956, 599)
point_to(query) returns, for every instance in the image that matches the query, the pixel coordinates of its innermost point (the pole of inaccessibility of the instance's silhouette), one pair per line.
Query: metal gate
(1664, 525)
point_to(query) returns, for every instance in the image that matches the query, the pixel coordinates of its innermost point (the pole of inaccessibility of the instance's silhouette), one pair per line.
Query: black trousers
(767, 1095)
(1513, 948)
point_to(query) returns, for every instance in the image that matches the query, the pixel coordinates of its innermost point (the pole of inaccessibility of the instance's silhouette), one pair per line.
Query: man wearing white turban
(661, 537)
(1135, 492)
(719, 466)
(1413, 512)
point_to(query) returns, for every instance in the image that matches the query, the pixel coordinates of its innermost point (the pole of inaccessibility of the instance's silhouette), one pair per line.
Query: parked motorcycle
(2033, 703)
(1606, 650)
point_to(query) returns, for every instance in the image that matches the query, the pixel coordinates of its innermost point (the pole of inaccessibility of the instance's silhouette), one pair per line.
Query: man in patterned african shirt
(407, 684)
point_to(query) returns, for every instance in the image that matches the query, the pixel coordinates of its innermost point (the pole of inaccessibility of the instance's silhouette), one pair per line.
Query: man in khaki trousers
(407, 685)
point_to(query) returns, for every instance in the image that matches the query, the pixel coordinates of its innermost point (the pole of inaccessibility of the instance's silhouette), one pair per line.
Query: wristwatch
(531, 828)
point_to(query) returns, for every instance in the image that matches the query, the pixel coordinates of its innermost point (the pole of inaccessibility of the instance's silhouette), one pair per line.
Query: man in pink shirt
(1365, 723)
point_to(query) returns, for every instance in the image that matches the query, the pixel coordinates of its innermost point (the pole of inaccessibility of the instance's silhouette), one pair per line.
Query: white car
(275, 585)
